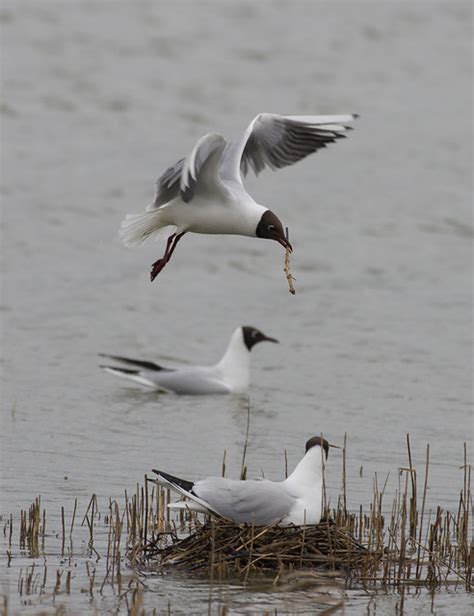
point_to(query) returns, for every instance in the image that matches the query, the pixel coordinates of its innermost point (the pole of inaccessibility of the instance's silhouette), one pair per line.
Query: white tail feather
(136, 378)
(136, 229)
(189, 505)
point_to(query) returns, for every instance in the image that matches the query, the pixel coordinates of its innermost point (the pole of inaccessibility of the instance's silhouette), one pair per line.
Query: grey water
(98, 99)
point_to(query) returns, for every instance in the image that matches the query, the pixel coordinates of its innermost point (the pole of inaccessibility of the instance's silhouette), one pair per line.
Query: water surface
(99, 98)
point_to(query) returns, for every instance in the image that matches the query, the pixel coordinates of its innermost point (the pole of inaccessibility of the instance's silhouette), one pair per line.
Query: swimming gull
(231, 374)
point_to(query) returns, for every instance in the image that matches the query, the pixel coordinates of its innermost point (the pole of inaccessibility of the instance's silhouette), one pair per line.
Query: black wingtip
(355, 116)
(187, 486)
(140, 363)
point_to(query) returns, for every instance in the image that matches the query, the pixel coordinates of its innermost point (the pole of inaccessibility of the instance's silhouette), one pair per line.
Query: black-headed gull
(203, 193)
(231, 374)
(295, 500)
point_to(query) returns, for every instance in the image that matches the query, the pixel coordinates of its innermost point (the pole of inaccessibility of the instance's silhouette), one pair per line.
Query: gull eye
(254, 333)
(271, 227)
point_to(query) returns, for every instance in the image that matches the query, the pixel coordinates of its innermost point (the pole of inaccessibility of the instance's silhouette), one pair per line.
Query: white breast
(234, 365)
(231, 217)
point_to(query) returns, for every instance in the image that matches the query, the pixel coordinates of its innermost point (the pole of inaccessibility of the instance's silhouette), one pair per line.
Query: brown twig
(286, 269)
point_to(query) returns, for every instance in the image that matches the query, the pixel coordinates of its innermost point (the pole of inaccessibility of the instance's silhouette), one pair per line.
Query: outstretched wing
(199, 169)
(278, 141)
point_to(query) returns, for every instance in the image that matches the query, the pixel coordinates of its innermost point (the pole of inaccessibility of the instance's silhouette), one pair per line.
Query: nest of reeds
(224, 548)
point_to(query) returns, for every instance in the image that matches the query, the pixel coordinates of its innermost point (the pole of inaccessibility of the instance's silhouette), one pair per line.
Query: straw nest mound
(225, 548)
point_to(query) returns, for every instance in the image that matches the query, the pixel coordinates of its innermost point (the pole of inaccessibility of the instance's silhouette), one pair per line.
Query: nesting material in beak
(286, 269)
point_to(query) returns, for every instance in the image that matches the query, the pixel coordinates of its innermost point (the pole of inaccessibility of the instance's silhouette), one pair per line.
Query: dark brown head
(270, 228)
(253, 335)
(317, 441)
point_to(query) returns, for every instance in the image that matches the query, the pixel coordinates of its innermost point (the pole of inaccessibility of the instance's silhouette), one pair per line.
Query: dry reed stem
(243, 468)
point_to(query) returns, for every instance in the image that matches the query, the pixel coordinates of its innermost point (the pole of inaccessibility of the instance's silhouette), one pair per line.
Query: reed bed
(399, 545)
(32, 528)
(408, 547)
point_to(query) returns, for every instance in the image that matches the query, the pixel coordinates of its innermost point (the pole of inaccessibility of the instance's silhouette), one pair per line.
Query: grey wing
(278, 141)
(257, 501)
(167, 185)
(188, 381)
(200, 168)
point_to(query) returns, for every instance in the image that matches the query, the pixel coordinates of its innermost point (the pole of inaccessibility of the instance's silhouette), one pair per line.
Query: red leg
(157, 266)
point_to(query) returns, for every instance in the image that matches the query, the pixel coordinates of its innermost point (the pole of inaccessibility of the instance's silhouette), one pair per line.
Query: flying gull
(296, 500)
(231, 374)
(204, 193)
